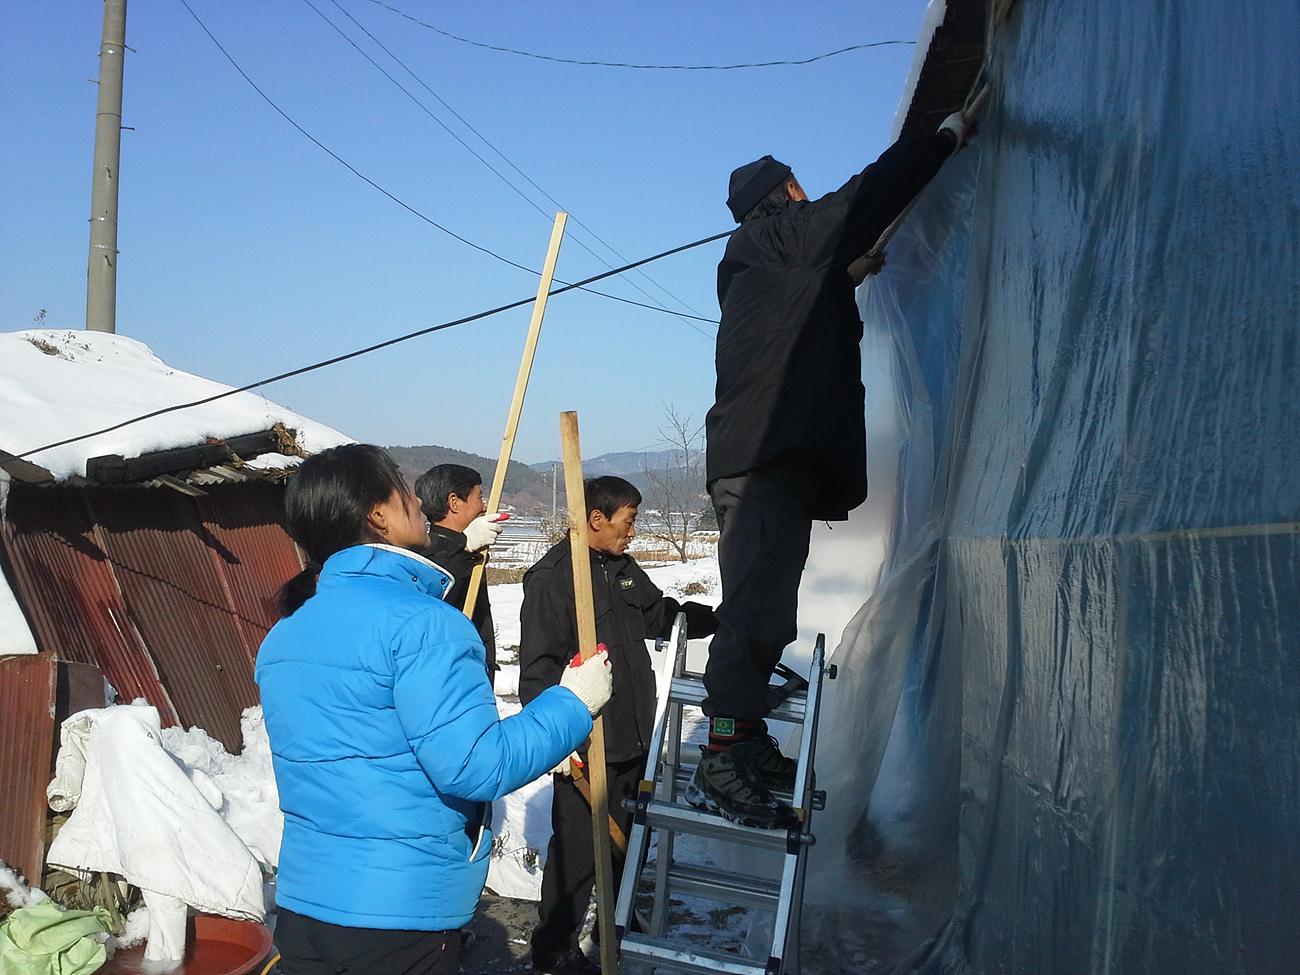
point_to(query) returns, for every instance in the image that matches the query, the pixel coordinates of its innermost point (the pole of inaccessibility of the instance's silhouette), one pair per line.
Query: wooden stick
(517, 403)
(584, 787)
(586, 611)
(969, 112)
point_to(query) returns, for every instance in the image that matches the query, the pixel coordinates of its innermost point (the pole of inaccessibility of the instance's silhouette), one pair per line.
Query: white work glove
(567, 765)
(482, 532)
(956, 124)
(591, 680)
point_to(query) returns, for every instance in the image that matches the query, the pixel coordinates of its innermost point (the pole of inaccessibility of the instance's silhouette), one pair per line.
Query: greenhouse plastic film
(1072, 708)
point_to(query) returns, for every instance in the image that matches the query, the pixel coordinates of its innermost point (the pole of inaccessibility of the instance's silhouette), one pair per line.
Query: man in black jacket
(451, 497)
(629, 609)
(786, 434)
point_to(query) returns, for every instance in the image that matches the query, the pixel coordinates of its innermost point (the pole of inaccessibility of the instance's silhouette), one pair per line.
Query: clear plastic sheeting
(1066, 733)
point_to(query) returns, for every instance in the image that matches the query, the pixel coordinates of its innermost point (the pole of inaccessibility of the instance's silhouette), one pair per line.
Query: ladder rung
(690, 690)
(720, 885)
(685, 819)
(697, 961)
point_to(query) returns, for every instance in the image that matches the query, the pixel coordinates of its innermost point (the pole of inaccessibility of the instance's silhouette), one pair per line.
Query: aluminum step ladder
(660, 808)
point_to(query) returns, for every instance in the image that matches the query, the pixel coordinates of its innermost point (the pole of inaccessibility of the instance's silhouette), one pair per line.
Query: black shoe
(776, 771)
(726, 783)
(571, 962)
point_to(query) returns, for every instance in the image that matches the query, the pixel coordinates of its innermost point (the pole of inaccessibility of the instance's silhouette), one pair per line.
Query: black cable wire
(644, 67)
(374, 348)
(404, 205)
(378, 43)
(339, 159)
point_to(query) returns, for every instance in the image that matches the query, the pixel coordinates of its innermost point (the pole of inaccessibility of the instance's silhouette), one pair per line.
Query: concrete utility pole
(101, 274)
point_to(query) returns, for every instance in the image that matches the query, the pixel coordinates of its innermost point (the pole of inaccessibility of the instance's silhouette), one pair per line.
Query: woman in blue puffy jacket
(387, 745)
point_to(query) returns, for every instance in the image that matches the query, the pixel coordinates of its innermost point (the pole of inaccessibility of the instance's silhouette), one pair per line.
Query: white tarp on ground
(137, 812)
(60, 383)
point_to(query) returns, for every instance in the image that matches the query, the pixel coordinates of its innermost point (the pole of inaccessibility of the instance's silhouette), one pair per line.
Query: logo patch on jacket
(627, 583)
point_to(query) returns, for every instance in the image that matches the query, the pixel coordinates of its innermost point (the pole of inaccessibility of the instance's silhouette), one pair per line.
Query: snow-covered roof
(59, 383)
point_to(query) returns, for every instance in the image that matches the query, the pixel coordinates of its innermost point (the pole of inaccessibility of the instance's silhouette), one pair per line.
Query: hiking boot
(726, 783)
(776, 771)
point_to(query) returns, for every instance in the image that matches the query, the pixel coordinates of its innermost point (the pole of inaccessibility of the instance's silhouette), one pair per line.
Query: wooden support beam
(517, 402)
(586, 613)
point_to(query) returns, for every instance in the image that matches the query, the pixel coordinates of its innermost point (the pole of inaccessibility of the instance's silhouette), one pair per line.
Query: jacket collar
(448, 533)
(390, 562)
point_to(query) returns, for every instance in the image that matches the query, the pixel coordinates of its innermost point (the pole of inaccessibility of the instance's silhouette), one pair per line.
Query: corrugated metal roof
(165, 561)
(66, 583)
(951, 66)
(27, 687)
(257, 557)
(169, 595)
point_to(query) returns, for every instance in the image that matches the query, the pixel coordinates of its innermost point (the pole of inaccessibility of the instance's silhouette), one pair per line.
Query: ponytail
(298, 590)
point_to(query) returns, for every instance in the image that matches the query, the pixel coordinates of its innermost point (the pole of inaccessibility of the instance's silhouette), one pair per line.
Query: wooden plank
(517, 401)
(586, 613)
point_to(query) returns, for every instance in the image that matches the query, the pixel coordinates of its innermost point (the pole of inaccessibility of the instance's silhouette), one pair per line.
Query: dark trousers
(311, 947)
(766, 528)
(570, 870)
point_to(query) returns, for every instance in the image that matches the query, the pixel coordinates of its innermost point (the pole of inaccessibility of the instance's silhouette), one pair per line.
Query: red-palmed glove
(483, 531)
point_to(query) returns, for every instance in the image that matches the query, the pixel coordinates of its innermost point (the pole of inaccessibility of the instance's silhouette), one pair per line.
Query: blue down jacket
(385, 739)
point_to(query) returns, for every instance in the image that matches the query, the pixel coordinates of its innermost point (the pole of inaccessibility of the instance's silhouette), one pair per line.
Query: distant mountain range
(528, 486)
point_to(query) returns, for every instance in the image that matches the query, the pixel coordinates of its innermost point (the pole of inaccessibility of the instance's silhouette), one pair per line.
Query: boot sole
(698, 798)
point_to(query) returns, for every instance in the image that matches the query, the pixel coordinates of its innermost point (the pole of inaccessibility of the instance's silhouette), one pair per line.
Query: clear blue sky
(247, 251)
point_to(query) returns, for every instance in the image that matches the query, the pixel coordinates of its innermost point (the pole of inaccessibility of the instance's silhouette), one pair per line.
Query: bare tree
(675, 496)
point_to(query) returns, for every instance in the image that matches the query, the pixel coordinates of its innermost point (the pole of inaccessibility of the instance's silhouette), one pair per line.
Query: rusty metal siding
(253, 552)
(160, 552)
(27, 687)
(64, 579)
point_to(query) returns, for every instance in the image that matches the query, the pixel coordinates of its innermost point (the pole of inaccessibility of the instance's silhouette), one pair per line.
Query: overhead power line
(643, 67)
(402, 203)
(373, 348)
(501, 176)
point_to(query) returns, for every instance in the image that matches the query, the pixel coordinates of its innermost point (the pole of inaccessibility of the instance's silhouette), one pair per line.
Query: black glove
(700, 620)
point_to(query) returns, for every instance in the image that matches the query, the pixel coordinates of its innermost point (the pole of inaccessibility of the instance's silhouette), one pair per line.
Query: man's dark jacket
(788, 361)
(629, 610)
(447, 549)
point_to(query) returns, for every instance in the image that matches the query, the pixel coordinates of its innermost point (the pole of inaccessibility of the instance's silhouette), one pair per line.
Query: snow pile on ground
(17, 894)
(246, 794)
(60, 383)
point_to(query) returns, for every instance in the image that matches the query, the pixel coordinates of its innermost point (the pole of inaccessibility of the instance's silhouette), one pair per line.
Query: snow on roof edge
(56, 384)
(934, 15)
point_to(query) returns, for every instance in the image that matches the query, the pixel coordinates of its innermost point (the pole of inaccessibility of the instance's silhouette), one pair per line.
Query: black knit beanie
(750, 183)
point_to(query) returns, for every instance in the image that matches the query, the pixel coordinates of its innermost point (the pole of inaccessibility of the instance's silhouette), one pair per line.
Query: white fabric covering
(138, 814)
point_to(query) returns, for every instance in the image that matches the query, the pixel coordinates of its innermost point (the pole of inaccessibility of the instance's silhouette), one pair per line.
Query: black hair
(774, 202)
(607, 494)
(327, 505)
(435, 484)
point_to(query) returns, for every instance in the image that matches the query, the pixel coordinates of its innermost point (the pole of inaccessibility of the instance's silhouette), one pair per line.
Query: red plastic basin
(213, 946)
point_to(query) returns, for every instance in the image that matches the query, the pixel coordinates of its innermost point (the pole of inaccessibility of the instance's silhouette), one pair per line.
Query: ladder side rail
(666, 788)
(638, 846)
(790, 903)
(794, 937)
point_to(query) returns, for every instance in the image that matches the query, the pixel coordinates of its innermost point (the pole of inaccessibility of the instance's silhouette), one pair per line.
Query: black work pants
(311, 947)
(766, 528)
(570, 869)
